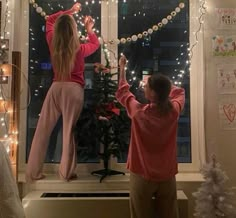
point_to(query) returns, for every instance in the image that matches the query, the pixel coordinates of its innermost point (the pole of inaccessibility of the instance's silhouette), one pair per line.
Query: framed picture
(226, 18)
(223, 45)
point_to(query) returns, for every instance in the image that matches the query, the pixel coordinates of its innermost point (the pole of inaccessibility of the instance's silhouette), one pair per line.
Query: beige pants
(142, 204)
(66, 99)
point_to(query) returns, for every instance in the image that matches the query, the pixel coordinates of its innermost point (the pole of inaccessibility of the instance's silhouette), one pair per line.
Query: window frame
(109, 30)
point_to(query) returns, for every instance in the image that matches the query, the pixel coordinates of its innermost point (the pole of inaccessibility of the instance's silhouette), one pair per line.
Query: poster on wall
(227, 112)
(226, 78)
(226, 18)
(224, 45)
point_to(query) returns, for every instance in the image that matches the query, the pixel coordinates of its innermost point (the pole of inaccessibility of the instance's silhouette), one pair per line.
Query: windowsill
(53, 178)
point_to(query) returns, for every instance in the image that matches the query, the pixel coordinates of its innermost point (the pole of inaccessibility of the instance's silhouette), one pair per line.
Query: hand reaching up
(122, 62)
(89, 23)
(76, 8)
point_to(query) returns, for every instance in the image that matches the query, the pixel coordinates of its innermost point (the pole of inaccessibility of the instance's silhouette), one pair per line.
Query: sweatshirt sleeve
(127, 99)
(50, 25)
(91, 46)
(177, 97)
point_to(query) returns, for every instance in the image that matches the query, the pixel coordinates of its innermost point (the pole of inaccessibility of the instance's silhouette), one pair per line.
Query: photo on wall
(227, 112)
(226, 18)
(226, 74)
(224, 45)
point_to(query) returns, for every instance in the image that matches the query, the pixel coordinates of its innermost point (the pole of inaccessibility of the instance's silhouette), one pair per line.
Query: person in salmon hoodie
(152, 156)
(66, 94)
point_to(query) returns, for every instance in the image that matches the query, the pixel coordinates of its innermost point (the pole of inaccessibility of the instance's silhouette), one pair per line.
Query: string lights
(5, 72)
(182, 73)
(183, 56)
(129, 39)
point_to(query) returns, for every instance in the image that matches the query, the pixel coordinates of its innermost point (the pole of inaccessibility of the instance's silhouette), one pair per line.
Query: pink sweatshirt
(152, 151)
(77, 75)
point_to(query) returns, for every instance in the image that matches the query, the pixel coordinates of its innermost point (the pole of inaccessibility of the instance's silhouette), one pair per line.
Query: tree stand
(105, 156)
(106, 172)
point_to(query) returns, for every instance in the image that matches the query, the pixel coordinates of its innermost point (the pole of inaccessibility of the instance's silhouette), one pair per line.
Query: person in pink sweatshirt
(66, 94)
(152, 157)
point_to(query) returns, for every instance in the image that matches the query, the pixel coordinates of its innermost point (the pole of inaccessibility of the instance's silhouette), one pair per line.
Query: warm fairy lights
(184, 57)
(133, 38)
(9, 134)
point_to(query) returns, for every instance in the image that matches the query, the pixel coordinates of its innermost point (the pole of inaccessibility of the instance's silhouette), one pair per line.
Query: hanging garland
(132, 38)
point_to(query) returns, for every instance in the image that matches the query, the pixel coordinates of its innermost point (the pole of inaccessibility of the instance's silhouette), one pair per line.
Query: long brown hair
(161, 85)
(65, 44)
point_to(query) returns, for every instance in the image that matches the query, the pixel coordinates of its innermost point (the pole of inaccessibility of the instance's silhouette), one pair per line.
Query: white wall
(218, 141)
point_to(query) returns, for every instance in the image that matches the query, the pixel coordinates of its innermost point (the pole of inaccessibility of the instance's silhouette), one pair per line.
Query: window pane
(40, 75)
(165, 51)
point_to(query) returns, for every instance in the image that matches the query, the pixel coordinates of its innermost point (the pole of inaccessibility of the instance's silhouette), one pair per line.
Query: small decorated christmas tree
(213, 199)
(106, 122)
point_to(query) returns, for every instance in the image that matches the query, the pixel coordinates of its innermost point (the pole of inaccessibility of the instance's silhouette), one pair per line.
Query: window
(163, 51)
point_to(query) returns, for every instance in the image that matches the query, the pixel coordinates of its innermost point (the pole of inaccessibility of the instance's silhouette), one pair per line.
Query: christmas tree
(213, 199)
(106, 122)
(108, 113)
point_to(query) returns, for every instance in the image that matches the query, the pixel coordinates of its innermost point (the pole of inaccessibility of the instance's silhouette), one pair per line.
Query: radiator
(38, 204)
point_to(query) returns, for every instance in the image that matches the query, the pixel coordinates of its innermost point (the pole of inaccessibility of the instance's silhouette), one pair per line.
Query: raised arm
(177, 97)
(53, 17)
(93, 44)
(123, 95)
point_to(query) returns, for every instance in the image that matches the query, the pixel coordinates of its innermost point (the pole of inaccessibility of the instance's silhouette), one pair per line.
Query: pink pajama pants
(66, 99)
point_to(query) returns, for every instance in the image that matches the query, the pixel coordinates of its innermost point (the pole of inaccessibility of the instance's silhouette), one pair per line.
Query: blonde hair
(65, 44)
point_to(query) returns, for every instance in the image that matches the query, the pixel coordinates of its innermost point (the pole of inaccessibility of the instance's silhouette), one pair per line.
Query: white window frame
(109, 30)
